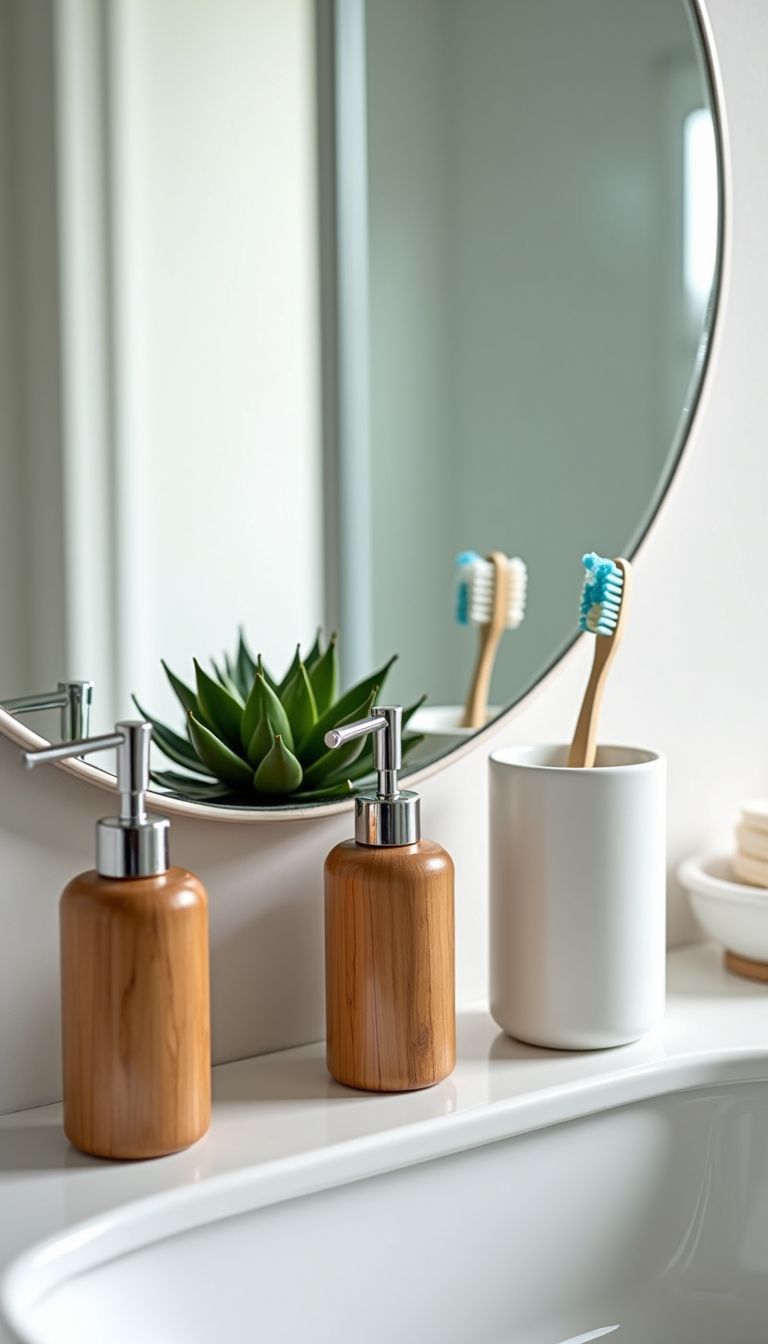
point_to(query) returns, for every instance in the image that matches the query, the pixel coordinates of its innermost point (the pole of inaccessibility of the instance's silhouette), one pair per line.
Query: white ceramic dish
(734, 914)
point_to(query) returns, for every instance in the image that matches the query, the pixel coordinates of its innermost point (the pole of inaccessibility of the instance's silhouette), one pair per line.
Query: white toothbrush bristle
(482, 579)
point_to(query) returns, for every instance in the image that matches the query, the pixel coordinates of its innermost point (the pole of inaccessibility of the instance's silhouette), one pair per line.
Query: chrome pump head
(132, 844)
(390, 816)
(73, 698)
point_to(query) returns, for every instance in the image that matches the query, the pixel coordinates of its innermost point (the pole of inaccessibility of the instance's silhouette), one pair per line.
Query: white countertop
(284, 1106)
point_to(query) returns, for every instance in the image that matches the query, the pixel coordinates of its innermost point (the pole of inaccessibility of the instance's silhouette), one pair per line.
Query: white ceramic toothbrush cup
(577, 889)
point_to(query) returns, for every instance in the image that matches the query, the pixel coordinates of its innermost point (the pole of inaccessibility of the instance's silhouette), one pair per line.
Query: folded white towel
(752, 842)
(755, 813)
(748, 869)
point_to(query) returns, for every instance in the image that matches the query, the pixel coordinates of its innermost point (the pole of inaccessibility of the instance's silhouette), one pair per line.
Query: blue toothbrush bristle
(464, 562)
(600, 595)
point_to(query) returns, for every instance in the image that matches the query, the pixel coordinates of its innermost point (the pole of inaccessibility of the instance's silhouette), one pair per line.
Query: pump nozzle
(391, 816)
(133, 844)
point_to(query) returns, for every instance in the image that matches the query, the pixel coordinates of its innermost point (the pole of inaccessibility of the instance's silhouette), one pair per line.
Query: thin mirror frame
(345, 382)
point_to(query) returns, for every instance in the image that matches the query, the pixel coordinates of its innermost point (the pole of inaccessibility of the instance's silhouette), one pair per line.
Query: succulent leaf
(279, 772)
(185, 696)
(242, 728)
(340, 790)
(245, 665)
(226, 681)
(254, 710)
(266, 674)
(299, 703)
(290, 674)
(261, 741)
(355, 771)
(174, 746)
(315, 652)
(221, 710)
(217, 756)
(264, 701)
(199, 790)
(344, 711)
(325, 678)
(234, 691)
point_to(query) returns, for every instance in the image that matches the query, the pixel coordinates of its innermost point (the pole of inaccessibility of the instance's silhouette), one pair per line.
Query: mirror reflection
(291, 317)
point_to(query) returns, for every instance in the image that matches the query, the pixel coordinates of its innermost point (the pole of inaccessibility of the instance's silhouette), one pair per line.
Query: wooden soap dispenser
(389, 934)
(134, 977)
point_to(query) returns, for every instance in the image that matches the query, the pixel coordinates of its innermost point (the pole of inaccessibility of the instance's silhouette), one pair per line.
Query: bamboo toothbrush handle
(584, 744)
(476, 709)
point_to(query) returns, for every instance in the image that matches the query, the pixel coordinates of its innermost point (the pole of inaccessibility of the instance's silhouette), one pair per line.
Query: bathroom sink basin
(648, 1221)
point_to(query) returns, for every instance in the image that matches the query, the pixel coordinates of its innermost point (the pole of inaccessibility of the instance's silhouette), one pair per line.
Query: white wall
(689, 681)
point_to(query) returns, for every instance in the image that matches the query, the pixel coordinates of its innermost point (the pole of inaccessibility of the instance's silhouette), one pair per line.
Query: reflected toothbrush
(491, 595)
(604, 604)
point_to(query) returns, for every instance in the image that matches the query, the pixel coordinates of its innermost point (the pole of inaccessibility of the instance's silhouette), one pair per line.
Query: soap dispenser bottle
(134, 977)
(389, 934)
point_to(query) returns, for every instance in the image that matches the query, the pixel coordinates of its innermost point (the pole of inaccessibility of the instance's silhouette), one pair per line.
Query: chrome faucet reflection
(73, 698)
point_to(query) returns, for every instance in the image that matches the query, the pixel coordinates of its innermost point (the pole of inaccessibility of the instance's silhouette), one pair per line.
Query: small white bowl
(733, 913)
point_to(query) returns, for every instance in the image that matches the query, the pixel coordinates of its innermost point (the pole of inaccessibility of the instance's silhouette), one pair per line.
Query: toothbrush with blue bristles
(604, 603)
(491, 595)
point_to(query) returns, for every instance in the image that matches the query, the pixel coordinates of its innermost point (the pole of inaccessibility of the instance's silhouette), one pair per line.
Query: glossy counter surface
(279, 1109)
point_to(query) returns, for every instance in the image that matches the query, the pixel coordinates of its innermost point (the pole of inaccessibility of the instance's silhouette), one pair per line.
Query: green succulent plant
(253, 740)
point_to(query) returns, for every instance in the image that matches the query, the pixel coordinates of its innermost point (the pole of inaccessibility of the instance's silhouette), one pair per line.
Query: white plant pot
(577, 892)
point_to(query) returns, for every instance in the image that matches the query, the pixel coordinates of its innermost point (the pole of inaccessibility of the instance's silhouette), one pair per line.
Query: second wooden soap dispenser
(389, 934)
(134, 977)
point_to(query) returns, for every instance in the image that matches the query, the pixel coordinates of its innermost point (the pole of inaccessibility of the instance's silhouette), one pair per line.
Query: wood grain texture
(476, 708)
(746, 967)
(135, 1014)
(584, 745)
(389, 966)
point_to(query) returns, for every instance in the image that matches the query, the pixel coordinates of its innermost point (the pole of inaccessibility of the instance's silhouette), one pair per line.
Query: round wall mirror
(302, 302)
